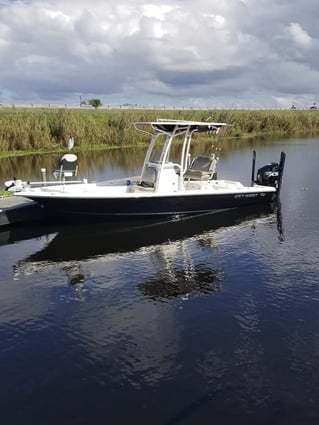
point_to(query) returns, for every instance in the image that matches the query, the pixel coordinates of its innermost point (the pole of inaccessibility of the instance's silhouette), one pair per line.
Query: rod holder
(43, 176)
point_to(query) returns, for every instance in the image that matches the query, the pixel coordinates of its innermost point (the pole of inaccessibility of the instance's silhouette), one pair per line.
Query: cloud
(299, 36)
(177, 52)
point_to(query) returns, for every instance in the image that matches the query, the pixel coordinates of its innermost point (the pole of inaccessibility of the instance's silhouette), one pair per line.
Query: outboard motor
(15, 185)
(268, 175)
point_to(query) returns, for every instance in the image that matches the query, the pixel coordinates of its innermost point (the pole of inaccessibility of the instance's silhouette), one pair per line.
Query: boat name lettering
(248, 195)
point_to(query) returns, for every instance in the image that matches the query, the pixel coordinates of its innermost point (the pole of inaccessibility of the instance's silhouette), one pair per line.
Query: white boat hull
(125, 201)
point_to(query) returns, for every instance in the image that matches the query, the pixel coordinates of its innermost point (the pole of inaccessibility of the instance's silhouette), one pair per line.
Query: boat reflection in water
(176, 283)
(79, 251)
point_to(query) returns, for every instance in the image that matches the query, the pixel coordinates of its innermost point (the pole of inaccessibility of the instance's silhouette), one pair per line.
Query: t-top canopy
(180, 126)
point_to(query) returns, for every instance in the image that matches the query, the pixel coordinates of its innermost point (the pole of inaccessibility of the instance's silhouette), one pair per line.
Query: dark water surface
(213, 319)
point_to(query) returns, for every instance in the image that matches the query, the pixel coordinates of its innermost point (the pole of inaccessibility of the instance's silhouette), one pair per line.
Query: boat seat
(67, 166)
(201, 168)
(149, 176)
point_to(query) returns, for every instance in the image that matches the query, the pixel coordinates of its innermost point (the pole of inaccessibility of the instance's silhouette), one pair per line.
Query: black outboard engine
(268, 175)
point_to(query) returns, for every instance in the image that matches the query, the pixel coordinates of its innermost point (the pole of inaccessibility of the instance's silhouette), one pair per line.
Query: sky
(180, 53)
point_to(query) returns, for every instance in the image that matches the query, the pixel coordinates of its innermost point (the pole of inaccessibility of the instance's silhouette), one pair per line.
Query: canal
(211, 319)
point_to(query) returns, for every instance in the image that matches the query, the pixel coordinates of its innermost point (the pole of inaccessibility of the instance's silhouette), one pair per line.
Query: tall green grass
(23, 130)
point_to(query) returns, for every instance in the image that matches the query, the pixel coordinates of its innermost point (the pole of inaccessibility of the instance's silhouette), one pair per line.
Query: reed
(30, 130)
(5, 193)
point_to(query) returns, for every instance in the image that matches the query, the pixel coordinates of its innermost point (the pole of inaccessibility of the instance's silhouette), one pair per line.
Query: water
(200, 321)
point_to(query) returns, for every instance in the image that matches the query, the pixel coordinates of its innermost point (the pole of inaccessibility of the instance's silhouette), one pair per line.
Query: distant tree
(96, 103)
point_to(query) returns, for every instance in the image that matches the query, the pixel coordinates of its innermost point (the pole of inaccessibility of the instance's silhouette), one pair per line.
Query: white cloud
(179, 52)
(299, 35)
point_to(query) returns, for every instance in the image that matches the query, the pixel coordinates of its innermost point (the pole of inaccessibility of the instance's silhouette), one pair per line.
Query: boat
(167, 185)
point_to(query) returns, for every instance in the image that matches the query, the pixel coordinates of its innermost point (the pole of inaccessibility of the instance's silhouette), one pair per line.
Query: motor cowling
(268, 175)
(15, 185)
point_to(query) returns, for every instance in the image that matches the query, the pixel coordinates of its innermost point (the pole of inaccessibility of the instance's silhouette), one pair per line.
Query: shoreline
(29, 131)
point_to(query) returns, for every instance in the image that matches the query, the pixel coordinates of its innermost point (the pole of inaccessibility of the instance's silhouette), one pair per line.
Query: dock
(14, 209)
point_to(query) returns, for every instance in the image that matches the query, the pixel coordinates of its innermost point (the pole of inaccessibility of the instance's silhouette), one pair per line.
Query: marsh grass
(5, 194)
(23, 131)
